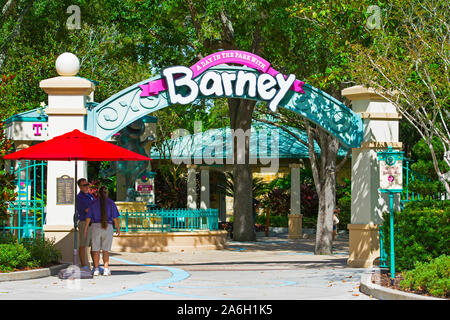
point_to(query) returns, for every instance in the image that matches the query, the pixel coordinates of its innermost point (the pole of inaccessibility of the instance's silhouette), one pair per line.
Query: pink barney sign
(270, 85)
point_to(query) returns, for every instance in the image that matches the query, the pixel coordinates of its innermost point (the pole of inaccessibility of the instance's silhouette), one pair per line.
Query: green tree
(408, 64)
(314, 51)
(427, 183)
(399, 48)
(181, 32)
(34, 33)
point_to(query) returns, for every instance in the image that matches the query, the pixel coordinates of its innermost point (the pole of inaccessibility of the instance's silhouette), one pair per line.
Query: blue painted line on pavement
(236, 248)
(177, 275)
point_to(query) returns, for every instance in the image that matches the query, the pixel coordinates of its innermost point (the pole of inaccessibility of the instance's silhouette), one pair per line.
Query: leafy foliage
(7, 185)
(274, 221)
(428, 182)
(278, 207)
(30, 254)
(34, 33)
(344, 201)
(260, 188)
(171, 187)
(421, 233)
(43, 251)
(15, 256)
(408, 63)
(429, 277)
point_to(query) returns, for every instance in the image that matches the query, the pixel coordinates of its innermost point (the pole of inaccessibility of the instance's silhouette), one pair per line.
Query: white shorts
(101, 239)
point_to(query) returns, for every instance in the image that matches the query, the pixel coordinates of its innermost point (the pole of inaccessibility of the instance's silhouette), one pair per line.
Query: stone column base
(364, 245)
(295, 226)
(170, 241)
(63, 237)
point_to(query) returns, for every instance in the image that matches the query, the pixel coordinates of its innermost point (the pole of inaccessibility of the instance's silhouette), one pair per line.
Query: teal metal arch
(127, 106)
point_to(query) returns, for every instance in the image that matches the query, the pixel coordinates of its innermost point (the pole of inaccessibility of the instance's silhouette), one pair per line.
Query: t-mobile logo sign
(36, 128)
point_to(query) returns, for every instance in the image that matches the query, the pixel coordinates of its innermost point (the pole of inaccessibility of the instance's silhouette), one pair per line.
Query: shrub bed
(429, 277)
(421, 233)
(33, 253)
(274, 221)
(15, 256)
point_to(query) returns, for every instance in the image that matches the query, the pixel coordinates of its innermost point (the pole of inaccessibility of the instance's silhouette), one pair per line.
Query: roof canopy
(216, 143)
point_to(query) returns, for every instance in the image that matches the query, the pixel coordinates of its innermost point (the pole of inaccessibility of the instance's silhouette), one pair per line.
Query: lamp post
(391, 182)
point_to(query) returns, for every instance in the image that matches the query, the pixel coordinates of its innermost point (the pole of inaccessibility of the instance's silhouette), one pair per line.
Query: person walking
(337, 210)
(84, 198)
(103, 213)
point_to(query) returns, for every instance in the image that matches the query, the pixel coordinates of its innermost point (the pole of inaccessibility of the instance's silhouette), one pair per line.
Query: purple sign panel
(223, 57)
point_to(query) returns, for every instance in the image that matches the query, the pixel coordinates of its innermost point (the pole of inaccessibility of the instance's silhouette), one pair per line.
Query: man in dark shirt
(84, 198)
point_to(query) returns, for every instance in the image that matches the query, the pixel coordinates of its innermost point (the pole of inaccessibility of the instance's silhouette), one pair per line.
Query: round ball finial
(67, 64)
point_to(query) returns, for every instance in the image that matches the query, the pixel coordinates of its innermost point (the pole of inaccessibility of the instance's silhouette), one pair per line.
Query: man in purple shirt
(103, 213)
(84, 198)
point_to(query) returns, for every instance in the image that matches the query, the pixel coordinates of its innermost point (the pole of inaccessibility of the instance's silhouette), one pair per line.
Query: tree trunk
(325, 180)
(324, 230)
(240, 112)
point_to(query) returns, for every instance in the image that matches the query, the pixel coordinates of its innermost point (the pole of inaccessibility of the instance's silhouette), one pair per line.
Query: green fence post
(391, 216)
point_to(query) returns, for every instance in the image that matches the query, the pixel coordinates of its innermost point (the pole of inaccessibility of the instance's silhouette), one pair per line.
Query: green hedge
(274, 221)
(15, 256)
(432, 277)
(44, 252)
(421, 233)
(33, 253)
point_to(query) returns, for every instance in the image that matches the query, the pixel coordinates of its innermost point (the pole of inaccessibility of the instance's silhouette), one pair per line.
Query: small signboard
(391, 170)
(391, 175)
(144, 188)
(23, 190)
(65, 190)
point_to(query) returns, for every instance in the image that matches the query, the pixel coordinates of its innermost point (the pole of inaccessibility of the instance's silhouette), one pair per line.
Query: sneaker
(106, 272)
(96, 272)
(86, 268)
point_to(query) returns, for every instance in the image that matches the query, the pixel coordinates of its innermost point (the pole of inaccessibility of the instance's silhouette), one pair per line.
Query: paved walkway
(272, 268)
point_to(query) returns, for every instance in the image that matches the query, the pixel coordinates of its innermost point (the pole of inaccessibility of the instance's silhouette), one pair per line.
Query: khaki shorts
(101, 238)
(85, 241)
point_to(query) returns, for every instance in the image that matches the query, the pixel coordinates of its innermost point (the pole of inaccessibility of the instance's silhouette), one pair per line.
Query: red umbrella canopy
(76, 145)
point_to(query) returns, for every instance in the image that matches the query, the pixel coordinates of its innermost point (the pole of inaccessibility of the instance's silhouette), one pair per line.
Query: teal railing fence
(408, 195)
(410, 176)
(170, 220)
(26, 214)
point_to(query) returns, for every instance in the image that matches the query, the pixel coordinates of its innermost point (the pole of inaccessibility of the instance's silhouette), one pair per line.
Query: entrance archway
(134, 102)
(67, 110)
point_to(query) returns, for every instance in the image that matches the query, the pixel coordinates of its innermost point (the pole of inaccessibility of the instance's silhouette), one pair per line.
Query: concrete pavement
(273, 268)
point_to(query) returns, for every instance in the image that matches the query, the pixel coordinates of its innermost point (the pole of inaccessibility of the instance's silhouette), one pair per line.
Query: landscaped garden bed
(422, 256)
(28, 255)
(383, 278)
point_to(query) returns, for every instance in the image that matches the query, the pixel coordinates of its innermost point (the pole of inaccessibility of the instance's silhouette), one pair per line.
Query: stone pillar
(67, 95)
(295, 216)
(191, 187)
(204, 188)
(381, 128)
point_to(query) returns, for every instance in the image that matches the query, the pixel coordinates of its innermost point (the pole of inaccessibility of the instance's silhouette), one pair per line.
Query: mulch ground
(384, 279)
